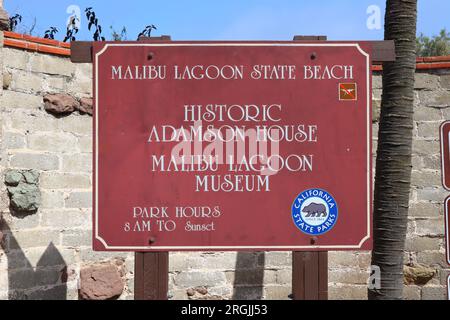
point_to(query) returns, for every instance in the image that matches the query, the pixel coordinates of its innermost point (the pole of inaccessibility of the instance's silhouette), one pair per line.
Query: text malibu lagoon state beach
(232, 72)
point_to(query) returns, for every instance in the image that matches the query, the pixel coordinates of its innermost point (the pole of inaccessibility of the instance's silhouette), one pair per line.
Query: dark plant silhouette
(50, 33)
(14, 21)
(147, 32)
(116, 36)
(93, 22)
(72, 29)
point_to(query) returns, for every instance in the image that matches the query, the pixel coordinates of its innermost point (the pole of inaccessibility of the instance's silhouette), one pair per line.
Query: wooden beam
(383, 51)
(81, 51)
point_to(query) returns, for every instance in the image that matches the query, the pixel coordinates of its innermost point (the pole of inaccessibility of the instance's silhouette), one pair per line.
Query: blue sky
(226, 20)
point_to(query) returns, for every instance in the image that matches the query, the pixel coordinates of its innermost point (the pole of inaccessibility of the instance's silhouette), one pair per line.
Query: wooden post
(151, 275)
(310, 275)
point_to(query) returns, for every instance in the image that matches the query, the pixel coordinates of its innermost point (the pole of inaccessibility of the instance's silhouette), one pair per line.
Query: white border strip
(448, 287)
(447, 231)
(206, 248)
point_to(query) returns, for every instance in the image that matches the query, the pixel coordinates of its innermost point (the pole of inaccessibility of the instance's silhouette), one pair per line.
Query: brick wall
(46, 253)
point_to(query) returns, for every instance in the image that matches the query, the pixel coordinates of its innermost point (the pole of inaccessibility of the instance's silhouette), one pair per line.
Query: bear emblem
(315, 210)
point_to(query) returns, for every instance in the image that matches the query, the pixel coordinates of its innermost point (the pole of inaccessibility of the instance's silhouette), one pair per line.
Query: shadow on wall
(45, 282)
(249, 276)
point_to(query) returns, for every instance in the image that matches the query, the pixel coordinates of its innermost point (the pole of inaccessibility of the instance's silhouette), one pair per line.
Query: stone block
(432, 258)
(52, 199)
(19, 100)
(53, 142)
(65, 181)
(377, 82)
(60, 104)
(13, 140)
(277, 292)
(65, 219)
(278, 259)
(426, 147)
(412, 292)
(348, 276)
(77, 163)
(435, 99)
(32, 239)
(434, 293)
(430, 227)
(27, 82)
(199, 279)
(342, 258)
(101, 281)
(445, 81)
(17, 59)
(425, 209)
(23, 222)
(44, 162)
(79, 200)
(431, 162)
(347, 292)
(424, 178)
(77, 238)
(434, 195)
(428, 129)
(79, 125)
(23, 190)
(53, 65)
(418, 244)
(423, 113)
(418, 274)
(426, 81)
(284, 276)
(32, 122)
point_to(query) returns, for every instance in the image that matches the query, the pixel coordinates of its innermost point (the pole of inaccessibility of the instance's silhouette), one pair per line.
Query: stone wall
(47, 252)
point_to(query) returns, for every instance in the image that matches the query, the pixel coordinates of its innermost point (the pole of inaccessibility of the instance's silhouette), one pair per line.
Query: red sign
(447, 228)
(445, 154)
(232, 146)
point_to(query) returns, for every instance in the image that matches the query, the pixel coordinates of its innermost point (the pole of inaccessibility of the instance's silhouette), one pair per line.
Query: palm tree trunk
(393, 172)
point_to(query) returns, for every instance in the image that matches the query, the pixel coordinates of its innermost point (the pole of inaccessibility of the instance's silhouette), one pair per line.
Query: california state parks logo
(315, 212)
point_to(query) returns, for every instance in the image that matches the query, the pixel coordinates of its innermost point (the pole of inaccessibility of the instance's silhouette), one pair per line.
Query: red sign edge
(99, 244)
(441, 144)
